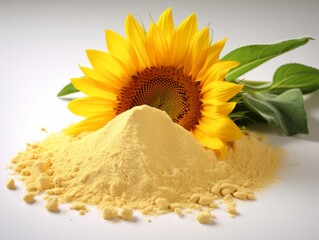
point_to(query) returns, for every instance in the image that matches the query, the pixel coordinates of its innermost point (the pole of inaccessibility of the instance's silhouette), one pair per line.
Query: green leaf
(285, 111)
(68, 89)
(295, 76)
(252, 56)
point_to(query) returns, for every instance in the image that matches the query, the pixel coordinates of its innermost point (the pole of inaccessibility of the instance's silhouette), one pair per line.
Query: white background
(42, 42)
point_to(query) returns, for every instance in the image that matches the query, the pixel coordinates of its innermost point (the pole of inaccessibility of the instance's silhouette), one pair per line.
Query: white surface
(41, 44)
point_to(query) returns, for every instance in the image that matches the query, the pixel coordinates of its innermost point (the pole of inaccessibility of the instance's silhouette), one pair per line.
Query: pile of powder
(143, 161)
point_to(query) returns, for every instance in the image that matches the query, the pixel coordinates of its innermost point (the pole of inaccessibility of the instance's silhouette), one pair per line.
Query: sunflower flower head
(173, 69)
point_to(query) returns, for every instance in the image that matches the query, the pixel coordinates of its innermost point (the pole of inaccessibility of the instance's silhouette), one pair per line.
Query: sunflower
(173, 69)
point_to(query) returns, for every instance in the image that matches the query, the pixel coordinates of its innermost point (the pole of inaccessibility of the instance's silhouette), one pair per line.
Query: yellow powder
(110, 212)
(11, 184)
(143, 161)
(29, 198)
(178, 211)
(81, 207)
(126, 213)
(204, 217)
(162, 203)
(52, 204)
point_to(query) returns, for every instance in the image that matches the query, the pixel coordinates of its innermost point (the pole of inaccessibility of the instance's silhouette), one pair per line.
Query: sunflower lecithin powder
(141, 160)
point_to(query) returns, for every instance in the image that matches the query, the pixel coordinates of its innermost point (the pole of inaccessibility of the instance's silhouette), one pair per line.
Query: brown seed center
(165, 88)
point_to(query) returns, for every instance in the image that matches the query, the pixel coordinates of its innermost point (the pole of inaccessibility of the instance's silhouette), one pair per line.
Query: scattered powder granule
(213, 205)
(240, 195)
(144, 161)
(81, 207)
(11, 184)
(231, 209)
(204, 217)
(251, 196)
(52, 204)
(179, 211)
(29, 198)
(194, 198)
(110, 212)
(126, 213)
(162, 203)
(205, 200)
(44, 182)
(176, 208)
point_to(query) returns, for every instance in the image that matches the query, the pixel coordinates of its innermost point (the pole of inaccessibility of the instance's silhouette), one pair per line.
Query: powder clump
(11, 184)
(29, 198)
(141, 160)
(52, 204)
(110, 212)
(204, 217)
(126, 213)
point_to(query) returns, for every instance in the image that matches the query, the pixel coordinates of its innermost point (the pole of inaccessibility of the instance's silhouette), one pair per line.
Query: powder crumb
(44, 182)
(232, 210)
(11, 184)
(142, 160)
(205, 200)
(229, 186)
(228, 197)
(32, 187)
(25, 172)
(81, 207)
(203, 217)
(126, 213)
(29, 198)
(194, 198)
(215, 189)
(43, 130)
(240, 195)
(173, 206)
(226, 191)
(83, 212)
(188, 211)
(52, 204)
(179, 211)
(110, 212)
(196, 206)
(251, 196)
(162, 203)
(213, 205)
(54, 191)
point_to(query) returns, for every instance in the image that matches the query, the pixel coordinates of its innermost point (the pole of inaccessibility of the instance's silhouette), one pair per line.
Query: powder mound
(142, 160)
(142, 154)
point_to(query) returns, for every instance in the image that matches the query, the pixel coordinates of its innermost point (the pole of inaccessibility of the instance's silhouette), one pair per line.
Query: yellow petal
(157, 45)
(215, 109)
(93, 88)
(113, 85)
(215, 50)
(212, 57)
(198, 52)
(91, 106)
(121, 49)
(210, 141)
(181, 41)
(223, 128)
(219, 91)
(166, 24)
(218, 72)
(90, 124)
(137, 38)
(108, 66)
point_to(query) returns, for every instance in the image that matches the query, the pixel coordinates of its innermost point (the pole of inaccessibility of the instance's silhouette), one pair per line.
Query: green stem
(253, 86)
